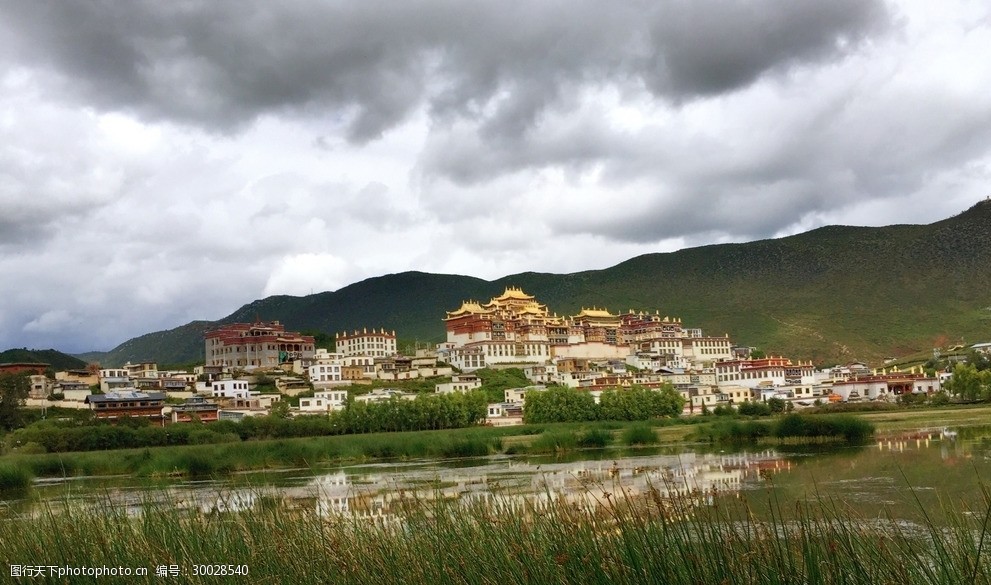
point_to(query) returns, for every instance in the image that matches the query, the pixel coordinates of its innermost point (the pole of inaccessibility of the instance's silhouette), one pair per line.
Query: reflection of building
(261, 344)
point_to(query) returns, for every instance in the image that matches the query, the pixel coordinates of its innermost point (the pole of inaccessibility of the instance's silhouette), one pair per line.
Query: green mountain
(833, 294)
(56, 359)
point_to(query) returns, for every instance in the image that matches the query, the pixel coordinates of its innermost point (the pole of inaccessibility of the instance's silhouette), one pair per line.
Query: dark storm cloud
(705, 48)
(220, 64)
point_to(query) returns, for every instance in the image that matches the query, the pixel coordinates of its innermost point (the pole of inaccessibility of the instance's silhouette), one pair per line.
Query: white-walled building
(541, 374)
(518, 395)
(231, 389)
(112, 379)
(326, 368)
(384, 394)
(462, 383)
(325, 401)
(774, 371)
(372, 343)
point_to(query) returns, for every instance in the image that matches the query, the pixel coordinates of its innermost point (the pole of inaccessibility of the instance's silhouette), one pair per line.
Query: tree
(965, 383)
(559, 404)
(279, 409)
(777, 405)
(14, 390)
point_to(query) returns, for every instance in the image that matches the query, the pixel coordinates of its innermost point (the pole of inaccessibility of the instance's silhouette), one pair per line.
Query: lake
(901, 475)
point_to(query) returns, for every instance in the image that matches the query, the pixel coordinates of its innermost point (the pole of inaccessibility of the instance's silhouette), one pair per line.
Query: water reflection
(924, 468)
(378, 492)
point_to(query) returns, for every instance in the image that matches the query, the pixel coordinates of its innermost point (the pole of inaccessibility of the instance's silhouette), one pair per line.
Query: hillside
(54, 358)
(832, 294)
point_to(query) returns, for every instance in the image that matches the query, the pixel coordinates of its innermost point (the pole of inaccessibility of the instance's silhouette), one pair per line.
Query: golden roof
(512, 293)
(600, 313)
(468, 308)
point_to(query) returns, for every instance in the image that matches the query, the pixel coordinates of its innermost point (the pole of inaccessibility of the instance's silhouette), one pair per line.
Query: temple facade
(514, 328)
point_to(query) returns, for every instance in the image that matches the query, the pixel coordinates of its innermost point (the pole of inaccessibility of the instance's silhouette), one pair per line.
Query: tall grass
(638, 540)
(14, 479)
(639, 435)
(790, 427)
(216, 459)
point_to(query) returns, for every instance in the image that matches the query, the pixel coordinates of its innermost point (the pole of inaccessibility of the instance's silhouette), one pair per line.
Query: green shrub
(754, 409)
(594, 439)
(554, 441)
(14, 478)
(639, 435)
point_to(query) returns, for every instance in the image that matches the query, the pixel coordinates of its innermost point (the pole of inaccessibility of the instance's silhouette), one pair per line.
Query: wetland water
(899, 475)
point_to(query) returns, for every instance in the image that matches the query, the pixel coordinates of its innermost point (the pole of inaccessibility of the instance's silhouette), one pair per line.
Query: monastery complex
(514, 328)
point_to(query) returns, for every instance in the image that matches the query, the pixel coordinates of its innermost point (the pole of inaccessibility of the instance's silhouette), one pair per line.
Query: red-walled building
(261, 344)
(22, 367)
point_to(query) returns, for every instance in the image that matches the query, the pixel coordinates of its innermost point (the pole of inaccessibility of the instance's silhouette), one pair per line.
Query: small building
(41, 386)
(325, 369)
(231, 389)
(323, 402)
(501, 414)
(196, 408)
(518, 395)
(112, 379)
(461, 383)
(384, 395)
(114, 405)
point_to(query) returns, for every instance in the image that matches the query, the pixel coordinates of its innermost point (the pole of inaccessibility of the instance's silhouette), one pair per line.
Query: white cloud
(160, 165)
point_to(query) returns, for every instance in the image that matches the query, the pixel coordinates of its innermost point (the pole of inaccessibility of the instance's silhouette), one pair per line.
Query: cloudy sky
(168, 161)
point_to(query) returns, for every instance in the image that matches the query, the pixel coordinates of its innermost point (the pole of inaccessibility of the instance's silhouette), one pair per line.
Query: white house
(231, 389)
(325, 369)
(325, 401)
(462, 383)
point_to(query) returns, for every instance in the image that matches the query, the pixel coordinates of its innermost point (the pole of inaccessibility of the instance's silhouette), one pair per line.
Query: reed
(792, 427)
(14, 479)
(623, 540)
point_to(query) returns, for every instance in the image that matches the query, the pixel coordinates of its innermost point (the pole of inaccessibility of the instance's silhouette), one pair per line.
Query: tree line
(563, 404)
(425, 412)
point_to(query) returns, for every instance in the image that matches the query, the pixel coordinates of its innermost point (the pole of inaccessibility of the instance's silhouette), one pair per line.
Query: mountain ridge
(831, 294)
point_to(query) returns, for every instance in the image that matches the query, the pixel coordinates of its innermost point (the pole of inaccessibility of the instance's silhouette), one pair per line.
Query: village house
(459, 383)
(502, 414)
(323, 402)
(41, 386)
(384, 395)
(196, 408)
(231, 389)
(325, 369)
(117, 404)
(112, 379)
